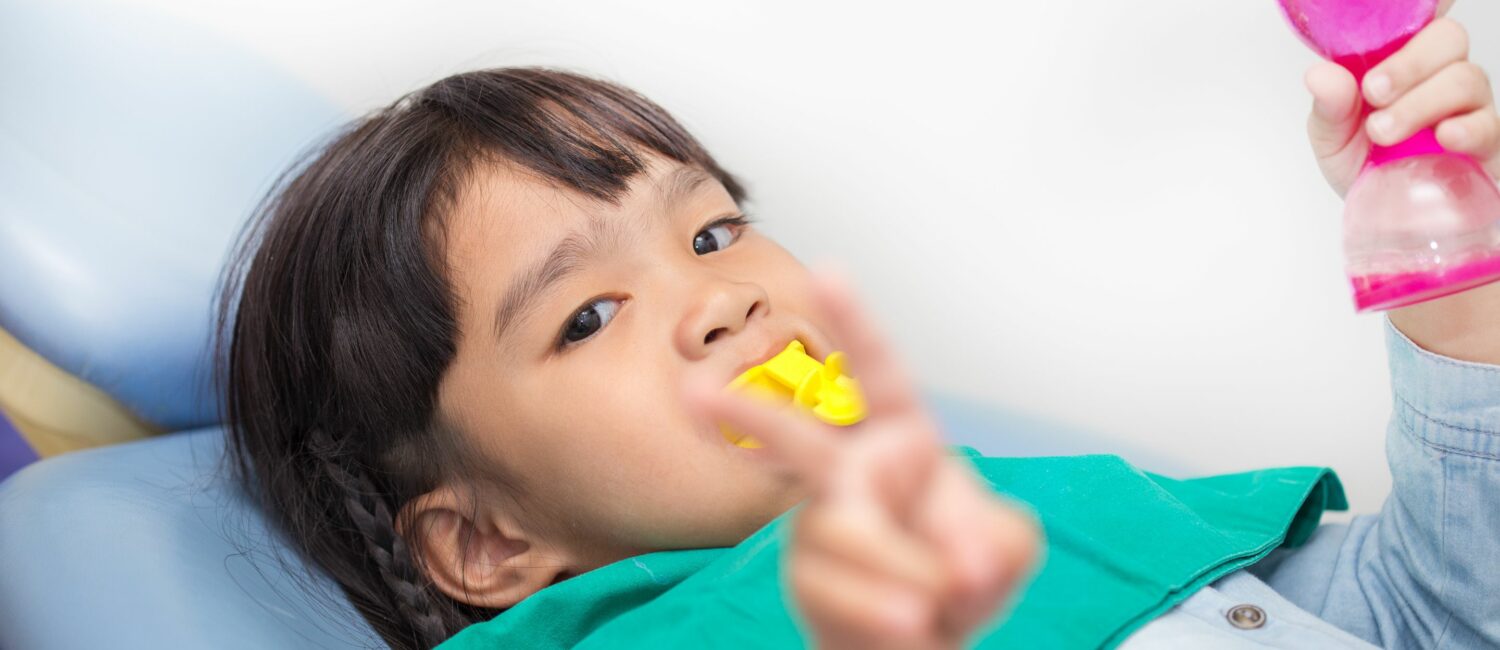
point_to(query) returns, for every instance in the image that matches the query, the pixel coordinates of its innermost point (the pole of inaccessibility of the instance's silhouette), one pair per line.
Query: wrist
(1463, 326)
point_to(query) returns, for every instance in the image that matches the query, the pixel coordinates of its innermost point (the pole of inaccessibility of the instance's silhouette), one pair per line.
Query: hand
(898, 545)
(1429, 81)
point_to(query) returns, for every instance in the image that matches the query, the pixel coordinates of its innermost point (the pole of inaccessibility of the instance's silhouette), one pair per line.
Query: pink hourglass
(1419, 222)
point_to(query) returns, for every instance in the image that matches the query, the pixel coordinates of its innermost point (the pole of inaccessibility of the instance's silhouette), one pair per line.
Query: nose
(720, 309)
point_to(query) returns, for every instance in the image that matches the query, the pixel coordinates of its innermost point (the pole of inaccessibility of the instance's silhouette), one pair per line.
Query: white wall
(1097, 211)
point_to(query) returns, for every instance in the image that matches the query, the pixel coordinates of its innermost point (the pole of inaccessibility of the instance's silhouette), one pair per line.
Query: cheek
(641, 474)
(790, 285)
(611, 435)
(792, 295)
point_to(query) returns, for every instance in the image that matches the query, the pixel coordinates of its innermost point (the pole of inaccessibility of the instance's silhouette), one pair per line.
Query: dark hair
(344, 322)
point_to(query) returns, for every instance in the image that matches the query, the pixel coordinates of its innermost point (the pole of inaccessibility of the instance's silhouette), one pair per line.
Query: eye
(719, 235)
(589, 320)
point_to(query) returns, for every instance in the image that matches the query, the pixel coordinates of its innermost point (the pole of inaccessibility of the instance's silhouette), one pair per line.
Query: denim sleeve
(1425, 571)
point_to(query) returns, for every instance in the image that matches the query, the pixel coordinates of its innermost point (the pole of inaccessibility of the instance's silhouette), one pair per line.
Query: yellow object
(793, 377)
(57, 412)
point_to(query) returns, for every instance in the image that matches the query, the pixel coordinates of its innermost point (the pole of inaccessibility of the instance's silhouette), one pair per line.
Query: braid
(371, 516)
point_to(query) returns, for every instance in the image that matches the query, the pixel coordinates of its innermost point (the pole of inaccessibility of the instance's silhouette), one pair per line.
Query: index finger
(887, 389)
(808, 447)
(1441, 43)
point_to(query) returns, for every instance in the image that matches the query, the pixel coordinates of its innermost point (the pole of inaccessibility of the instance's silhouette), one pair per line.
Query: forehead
(506, 220)
(503, 208)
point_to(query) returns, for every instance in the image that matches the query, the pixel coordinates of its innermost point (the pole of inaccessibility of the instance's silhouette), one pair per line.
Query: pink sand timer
(1419, 222)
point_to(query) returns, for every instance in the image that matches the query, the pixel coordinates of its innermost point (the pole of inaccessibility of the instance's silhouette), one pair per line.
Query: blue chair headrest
(132, 148)
(150, 545)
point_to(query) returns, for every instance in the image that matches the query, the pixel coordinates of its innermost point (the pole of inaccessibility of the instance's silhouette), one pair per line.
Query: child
(478, 346)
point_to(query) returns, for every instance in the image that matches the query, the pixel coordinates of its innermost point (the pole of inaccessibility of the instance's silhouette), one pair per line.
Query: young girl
(480, 338)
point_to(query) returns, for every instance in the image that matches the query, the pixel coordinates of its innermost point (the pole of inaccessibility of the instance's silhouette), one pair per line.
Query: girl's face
(579, 321)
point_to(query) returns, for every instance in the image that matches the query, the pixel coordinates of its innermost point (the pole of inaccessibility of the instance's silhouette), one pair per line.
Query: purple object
(15, 453)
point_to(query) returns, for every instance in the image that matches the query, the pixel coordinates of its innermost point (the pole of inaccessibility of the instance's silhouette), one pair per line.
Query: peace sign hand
(899, 544)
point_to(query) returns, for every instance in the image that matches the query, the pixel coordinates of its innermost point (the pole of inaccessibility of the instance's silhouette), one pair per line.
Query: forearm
(1425, 572)
(1464, 326)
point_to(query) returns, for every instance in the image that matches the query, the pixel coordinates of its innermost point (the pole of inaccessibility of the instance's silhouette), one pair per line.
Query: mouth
(769, 350)
(772, 348)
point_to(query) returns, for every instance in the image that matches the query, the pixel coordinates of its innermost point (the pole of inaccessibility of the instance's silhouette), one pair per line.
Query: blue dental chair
(132, 147)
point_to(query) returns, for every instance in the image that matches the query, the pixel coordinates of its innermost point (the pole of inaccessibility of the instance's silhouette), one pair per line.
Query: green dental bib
(1123, 546)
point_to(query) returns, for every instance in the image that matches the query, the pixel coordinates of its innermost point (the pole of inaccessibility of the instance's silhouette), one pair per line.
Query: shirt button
(1246, 617)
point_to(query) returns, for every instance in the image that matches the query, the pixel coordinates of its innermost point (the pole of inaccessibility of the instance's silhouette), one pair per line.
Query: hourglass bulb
(1419, 222)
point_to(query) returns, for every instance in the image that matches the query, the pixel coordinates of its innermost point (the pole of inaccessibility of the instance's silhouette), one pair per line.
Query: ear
(478, 556)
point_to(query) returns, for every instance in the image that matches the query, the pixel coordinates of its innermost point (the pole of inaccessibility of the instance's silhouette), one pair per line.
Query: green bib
(1123, 546)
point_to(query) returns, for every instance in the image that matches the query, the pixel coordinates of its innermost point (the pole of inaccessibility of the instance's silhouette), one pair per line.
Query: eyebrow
(680, 184)
(567, 258)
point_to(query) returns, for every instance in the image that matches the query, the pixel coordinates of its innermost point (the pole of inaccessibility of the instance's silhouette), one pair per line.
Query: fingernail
(1377, 86)
(1382, 123)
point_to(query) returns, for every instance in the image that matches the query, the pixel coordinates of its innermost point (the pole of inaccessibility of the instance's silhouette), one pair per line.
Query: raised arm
(1425, 571)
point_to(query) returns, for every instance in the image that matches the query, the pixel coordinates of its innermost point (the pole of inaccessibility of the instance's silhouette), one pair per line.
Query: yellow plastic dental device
(793, 377)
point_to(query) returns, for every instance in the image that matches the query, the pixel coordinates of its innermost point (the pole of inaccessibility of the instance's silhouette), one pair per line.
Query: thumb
(1333, 128)
(1335, 114)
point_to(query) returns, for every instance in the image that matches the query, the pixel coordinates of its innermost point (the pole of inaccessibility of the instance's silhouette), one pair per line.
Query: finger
(885, 384)
(890, 466)
(1333, 125)
(887, 466)
(861, 535)
(1458, 88)
(1476, 134)
(990, 546)
(1335, 114)
(803, 444)
(852, 609)
(1440, 44)
(1013, 542)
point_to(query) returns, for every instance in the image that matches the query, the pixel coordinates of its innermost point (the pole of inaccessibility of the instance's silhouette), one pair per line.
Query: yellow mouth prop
(793, 377)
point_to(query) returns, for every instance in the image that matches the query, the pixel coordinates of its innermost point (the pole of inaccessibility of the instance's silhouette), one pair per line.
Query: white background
(1097, 211)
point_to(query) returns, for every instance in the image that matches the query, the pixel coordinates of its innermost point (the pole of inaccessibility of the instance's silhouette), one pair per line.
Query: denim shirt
(1423, 573)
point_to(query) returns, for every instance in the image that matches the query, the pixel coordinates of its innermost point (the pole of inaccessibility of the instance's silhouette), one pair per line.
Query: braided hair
(337, 321)
(371, 515)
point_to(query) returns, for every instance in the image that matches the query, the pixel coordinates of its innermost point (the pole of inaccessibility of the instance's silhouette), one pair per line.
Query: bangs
(582, 133)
